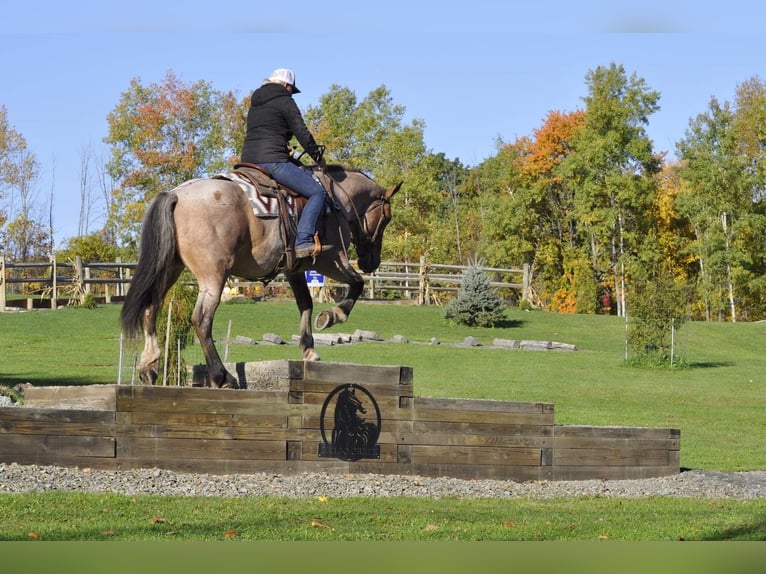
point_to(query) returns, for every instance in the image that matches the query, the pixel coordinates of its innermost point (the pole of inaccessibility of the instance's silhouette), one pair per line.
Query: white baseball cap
(284, 75)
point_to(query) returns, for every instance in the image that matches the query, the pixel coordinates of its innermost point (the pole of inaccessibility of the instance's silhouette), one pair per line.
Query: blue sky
(473, 75)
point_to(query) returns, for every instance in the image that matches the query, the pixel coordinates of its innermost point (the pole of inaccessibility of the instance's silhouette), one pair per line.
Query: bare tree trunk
(729, 282)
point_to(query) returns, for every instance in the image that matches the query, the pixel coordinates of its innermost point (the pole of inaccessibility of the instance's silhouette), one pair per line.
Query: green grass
(717, 401)
(61, 516)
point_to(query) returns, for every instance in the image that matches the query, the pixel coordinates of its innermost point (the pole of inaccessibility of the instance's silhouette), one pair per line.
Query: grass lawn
(716, 399)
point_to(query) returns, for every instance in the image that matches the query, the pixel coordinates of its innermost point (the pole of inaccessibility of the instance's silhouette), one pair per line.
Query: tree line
(606, 223)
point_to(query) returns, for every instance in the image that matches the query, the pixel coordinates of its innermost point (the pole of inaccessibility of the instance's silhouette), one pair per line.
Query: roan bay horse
(208, 226)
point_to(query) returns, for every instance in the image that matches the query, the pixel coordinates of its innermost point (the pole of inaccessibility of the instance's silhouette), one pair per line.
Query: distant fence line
(68, 283)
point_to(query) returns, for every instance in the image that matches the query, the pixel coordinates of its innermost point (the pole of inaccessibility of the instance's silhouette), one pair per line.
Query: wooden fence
(57, 283)
(293, 418)
(61, 283)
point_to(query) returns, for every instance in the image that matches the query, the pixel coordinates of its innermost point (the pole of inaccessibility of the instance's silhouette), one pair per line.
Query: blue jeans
(299, 180)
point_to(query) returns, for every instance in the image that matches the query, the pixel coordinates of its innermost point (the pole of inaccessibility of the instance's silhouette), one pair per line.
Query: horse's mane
(339, 168)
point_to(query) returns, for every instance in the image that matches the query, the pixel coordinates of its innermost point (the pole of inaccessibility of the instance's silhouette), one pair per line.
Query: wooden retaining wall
(284, 422)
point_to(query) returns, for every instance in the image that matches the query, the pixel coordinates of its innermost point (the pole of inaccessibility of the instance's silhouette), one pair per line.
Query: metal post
(2, 284)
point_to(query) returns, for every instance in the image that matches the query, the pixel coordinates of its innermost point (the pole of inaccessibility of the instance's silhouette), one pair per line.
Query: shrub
(477, 304)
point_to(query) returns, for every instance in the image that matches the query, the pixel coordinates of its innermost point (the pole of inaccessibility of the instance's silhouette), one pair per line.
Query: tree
(23, 236)
(162, 135)
(719, 196)
(477, 304)
(95, 192)
(612, 168)
(371, 135)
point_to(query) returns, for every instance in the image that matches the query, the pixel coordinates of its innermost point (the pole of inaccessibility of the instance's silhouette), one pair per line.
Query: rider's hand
(322, 163)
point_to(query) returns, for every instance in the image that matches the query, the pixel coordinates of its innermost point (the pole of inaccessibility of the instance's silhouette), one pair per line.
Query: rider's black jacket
(272, 120)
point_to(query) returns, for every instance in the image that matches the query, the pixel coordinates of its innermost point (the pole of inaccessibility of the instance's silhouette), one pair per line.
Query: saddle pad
(266, 207)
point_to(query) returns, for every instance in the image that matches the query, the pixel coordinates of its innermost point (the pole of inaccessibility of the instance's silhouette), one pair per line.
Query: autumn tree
(162, 135)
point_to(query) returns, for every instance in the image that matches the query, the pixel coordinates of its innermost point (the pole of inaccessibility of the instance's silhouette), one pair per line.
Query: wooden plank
(386, 404)
(425, 454)
(98, 397)
(473, 416)
(520, 473)
(59, 459)
(616, 432)
(343, 373)
(193, 432)
(59, 422)
(234, 466)
(11, 415)
(616, 443)
(611, 472)
(610, 457)
(209, 419)
(54, 445)
(311, 452)
(476, 428)
(483, 405)
(56, 428)
(161, 450)
(195, 400)
(458, 440)
(325, 388)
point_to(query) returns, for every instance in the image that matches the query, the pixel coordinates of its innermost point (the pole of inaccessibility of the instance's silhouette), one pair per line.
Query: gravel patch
(17, 478)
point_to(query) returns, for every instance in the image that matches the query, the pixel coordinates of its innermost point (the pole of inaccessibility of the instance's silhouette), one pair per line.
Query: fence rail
(51, 284)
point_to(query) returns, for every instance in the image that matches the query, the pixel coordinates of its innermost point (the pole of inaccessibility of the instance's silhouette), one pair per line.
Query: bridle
(384, 205)
(381, 203)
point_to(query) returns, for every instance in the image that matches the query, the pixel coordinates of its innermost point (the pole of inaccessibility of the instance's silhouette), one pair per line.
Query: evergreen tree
(477, 304)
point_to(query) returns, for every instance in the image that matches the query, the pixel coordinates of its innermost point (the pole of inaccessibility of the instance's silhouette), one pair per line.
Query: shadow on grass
(510, 323)
(710, 364)
(755, 531)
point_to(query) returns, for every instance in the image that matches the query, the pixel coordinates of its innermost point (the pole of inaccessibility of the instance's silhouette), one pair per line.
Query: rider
(272, 120)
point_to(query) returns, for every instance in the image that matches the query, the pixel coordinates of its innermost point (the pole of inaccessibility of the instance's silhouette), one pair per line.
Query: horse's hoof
(310, 355)
(323, 321)
(147, 377)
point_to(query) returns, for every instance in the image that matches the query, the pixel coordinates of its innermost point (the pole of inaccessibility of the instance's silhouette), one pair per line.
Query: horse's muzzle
(368, 262)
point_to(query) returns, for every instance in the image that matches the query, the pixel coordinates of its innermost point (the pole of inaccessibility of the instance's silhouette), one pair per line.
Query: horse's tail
(158, 255)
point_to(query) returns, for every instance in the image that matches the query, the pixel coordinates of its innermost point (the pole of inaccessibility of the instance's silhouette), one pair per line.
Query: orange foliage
(551, 144)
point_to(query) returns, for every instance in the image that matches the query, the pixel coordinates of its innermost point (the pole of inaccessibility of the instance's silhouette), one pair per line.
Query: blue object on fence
(314, 279)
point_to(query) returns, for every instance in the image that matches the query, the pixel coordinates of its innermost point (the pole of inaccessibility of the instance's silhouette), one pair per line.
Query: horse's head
(368, 210)
(368, 230)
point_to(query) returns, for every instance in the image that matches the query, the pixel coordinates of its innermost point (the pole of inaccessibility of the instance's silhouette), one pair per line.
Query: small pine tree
(477, 304)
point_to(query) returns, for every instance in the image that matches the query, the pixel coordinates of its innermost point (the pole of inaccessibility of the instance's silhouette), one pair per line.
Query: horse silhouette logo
(352, 436)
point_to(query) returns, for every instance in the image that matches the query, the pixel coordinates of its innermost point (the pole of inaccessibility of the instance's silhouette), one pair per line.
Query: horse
(208, 226)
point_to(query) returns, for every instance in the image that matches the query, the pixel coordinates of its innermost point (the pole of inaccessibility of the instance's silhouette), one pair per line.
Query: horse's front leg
(340, 313)
(202, 318)
(306, 308)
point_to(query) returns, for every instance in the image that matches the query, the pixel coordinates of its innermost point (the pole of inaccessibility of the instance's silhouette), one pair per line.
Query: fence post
(79, 277)
(2, 283)
(422, 282)
(54, 283)
(121, 276)
(525, 282)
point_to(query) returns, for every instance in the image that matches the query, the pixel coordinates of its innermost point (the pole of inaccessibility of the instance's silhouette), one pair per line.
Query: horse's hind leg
(202, 318)
(149, 364)
(150, 356)
(306, 307)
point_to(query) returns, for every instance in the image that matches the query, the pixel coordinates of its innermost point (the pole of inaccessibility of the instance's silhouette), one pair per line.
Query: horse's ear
(392, 190)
